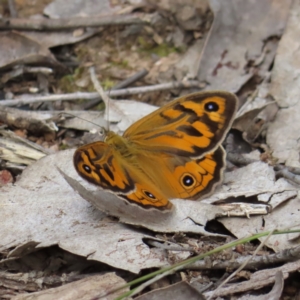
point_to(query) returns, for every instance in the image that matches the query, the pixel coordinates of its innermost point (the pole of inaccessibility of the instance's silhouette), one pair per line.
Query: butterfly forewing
(188, 126)
(98, 163)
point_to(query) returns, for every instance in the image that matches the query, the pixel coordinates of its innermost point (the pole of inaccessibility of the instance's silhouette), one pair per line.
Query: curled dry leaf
(84, 289)
(283, 133)
(229, 51)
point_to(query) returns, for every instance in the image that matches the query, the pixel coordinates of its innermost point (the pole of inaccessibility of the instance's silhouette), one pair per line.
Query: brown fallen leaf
(5, 177)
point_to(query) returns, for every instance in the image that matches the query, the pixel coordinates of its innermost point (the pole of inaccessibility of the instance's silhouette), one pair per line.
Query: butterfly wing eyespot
(211, 107)
(149, 195)
(87, 168)
(148, 200)
(194, 179)
(188, 180)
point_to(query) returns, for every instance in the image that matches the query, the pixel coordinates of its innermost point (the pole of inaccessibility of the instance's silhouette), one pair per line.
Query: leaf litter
(50, 205)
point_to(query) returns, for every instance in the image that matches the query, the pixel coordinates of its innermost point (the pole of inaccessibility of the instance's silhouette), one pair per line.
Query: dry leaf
(283, 133)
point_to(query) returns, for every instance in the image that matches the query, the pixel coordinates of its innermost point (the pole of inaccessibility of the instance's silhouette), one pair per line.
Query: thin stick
(128, 81)
(256, 262)
(12, 9)
(132, 79)
(151, 281)
(101, 92)
(182, 264)
(288, 175)
(73, 23)
(98, 86)
(170, 246)
(116, 93)
(243, 265)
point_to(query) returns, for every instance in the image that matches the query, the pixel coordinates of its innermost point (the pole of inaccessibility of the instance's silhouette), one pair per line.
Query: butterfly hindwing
(180, 177)
(199, 177)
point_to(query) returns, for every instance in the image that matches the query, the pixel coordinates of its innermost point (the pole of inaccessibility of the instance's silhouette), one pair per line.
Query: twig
(20, 70)
(243, 265)
(30, 120)
(12, 9)
(239, 159)
(288, 173)
(257, 281)
(73, 23)
(256, 262)
(183, 264)
(10, 135)
(130, 80)
(170, 246)
(149, 282)
(34, 281)
(101, 92)
(109, 105)
(98, 86)
(294, 170)
(95, 95)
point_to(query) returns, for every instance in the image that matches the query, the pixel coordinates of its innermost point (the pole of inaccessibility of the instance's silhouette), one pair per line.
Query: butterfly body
(173, 152)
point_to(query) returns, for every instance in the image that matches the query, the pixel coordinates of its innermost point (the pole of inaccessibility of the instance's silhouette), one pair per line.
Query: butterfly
(174, 152)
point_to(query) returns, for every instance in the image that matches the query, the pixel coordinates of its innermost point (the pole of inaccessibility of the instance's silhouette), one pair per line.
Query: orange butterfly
(174, 152)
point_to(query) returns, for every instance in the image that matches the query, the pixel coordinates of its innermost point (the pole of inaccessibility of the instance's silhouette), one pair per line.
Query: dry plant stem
(90, 96)
(35, 70)
(29, 120)
(170, 247)
(294, 170)
(248, 101)
(125, 83)
(256, 262)
(102, 94)
(98, 86)
(288, 175)
(33, 282)
(285, 173)
(216, 283)
(243, 265)
(9, 165)
(258, 280)
(183, 264)
(22, 70)
(149, 282)
(239, 159)
(73, 23)
(132, 79)
(207, 287)
(12, 9)
(10, 134)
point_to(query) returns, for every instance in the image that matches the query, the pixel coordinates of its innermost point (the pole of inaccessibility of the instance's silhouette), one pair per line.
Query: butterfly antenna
(71, 115)
(107, 111)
